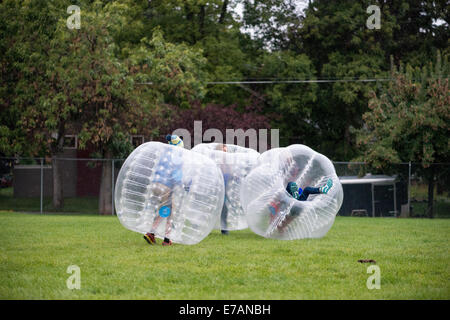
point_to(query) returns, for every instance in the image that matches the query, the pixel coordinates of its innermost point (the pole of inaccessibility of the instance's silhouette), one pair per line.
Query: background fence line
(26, 185)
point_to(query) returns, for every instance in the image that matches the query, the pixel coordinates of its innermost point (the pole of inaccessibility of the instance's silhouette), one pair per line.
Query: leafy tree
(410, 122)
(35, 115)
(97, 85)
(231, 55)
(420, 28)
(271, 21)
(212, 27)
(120, 104)
(25, 33)
(293, 103)
(78, 83)
(334, 35)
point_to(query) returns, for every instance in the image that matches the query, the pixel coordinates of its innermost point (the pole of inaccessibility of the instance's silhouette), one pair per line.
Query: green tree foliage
(419, 29)
(208, 25)
(34, 104)
(78, 84)
(271, 21)
(25, 34)
(334, 35)
(409, 121)
(132, 59)
(293, 102)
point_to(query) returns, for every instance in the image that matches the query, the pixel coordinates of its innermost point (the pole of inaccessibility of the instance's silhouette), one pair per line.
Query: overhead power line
(293, 81)
(296, 81)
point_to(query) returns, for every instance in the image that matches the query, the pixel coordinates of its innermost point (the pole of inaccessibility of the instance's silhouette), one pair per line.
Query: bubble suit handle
(170, 191)
(273, 213)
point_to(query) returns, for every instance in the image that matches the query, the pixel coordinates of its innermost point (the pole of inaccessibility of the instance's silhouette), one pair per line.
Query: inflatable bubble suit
(272, 212)
(170, 191)
(235, 162)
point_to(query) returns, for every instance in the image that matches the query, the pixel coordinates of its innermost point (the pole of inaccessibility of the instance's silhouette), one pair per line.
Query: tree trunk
(202, 21)
(58, 192)
(223, 12)
(190, 19)
(105, 198)
(431, 184)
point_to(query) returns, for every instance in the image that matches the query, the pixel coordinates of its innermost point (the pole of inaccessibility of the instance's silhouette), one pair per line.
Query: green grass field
(35, 252)
(71, 205)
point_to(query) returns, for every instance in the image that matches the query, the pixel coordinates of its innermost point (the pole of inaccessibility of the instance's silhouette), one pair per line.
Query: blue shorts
(226, 178)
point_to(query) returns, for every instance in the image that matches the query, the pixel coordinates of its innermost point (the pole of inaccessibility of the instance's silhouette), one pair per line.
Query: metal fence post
(409, 188)
(112, 187)
(42, 184)
(395, 200)
(373, 200)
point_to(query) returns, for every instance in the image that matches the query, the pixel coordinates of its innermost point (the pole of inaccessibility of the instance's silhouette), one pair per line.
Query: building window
(70, 141)
(137, 140)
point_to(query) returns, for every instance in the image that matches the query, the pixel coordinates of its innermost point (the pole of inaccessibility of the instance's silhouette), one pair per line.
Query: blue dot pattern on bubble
(164, 211)
(177, 175)
(169, 171)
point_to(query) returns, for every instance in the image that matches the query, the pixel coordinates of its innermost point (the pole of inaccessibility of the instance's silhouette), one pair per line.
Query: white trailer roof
(369, 178)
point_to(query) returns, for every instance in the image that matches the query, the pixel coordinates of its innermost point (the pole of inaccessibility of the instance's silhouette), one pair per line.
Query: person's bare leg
(162, 191)
(167, 241)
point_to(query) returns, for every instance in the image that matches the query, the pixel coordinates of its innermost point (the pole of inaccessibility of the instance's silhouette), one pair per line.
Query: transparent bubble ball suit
(235, 162)
(170, 191)
(272, 212)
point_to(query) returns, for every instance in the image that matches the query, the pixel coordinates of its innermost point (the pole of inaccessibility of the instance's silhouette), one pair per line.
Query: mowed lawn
(36, 250)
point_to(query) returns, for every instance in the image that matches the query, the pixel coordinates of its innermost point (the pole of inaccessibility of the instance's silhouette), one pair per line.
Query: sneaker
(150, 238)
(327, 187)
(225, 232)
(167, 243)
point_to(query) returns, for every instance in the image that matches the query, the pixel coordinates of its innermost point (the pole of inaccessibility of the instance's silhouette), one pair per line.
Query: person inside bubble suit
(291, 170)
(226, 171)
(162, 188)
(301, 194)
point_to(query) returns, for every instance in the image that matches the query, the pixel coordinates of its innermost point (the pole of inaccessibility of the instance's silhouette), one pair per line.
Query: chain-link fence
(87, 186)
(405, 190)
(84, 185)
